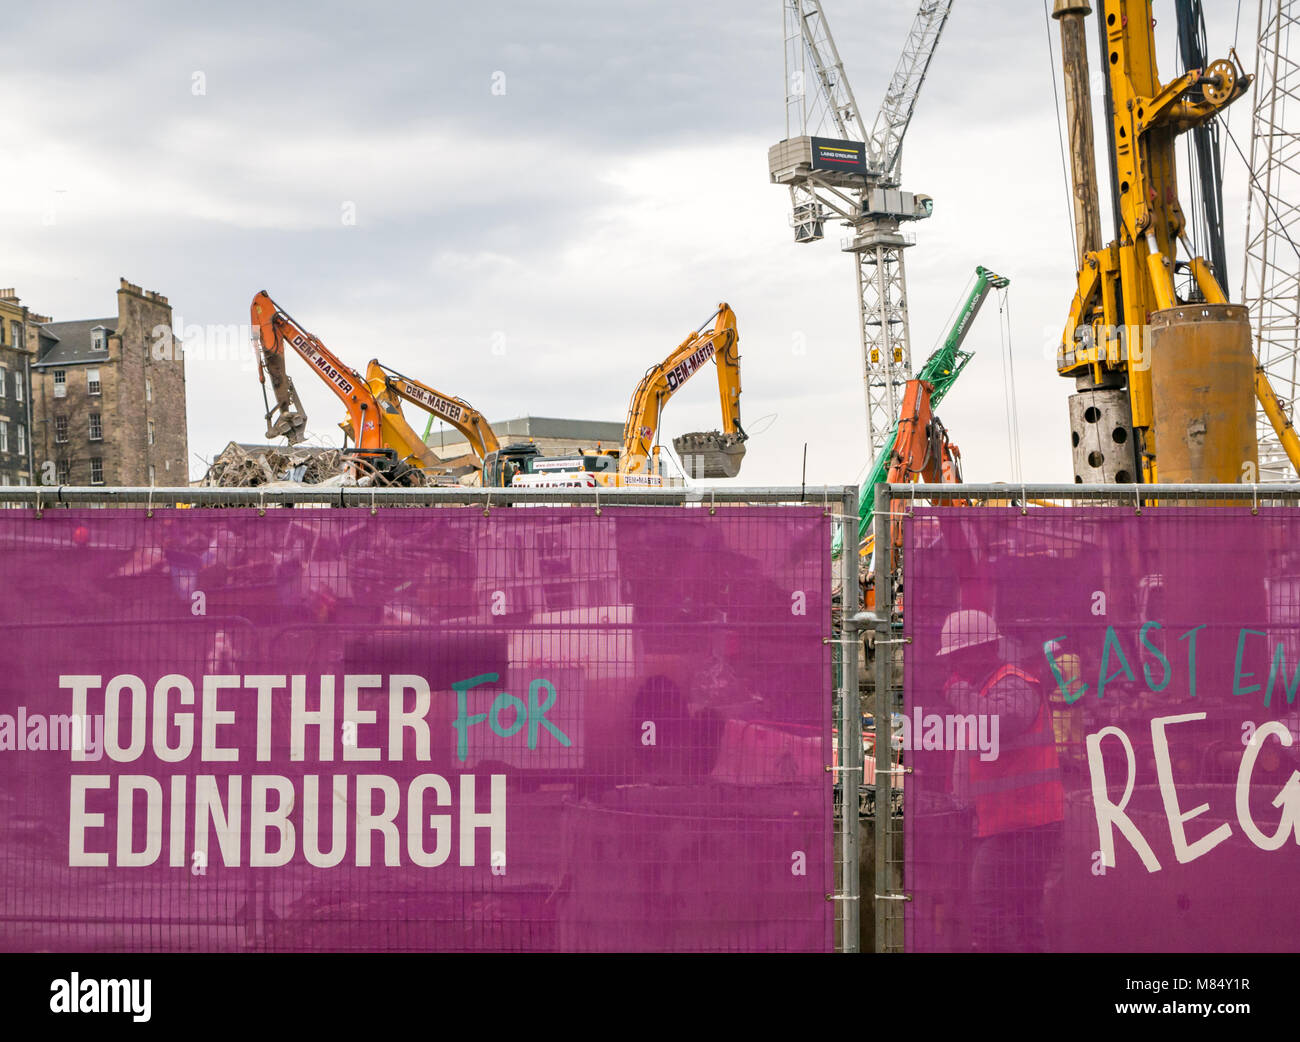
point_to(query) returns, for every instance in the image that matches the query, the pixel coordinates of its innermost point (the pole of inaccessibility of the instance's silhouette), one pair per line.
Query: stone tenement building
(15, 391)
(108, 397)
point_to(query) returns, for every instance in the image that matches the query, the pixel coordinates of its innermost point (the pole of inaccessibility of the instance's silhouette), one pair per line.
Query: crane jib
(679, 373)
(308, 351)
(432, 401)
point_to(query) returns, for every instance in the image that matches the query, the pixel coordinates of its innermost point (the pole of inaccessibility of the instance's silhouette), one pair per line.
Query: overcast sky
(535, 250)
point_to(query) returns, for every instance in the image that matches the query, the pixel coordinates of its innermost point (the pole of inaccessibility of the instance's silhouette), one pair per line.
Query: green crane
(940, 370)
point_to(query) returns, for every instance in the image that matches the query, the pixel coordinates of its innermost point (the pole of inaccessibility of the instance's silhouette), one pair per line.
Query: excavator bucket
(710, 454)
(289, 425)
(286, 418)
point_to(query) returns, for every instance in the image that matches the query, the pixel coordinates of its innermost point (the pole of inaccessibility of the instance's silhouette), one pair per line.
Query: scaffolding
(1271, 284)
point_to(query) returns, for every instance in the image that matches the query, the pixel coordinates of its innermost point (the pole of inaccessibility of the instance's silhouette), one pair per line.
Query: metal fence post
(884, 692)
(850, 726)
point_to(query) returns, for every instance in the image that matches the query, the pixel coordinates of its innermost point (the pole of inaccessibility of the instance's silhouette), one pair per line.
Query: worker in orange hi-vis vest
(1015, 787)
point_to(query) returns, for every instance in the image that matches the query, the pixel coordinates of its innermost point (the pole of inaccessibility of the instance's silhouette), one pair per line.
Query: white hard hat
(966, 629)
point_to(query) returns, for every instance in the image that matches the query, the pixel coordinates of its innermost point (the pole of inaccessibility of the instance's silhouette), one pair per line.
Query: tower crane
(855, 176)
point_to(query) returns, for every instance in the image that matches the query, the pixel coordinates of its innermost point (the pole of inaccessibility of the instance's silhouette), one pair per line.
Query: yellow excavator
(389, 388)
(706, 454)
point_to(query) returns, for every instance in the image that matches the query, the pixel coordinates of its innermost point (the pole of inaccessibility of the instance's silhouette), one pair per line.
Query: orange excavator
(274, 328)
(922, 450)
(918, 449)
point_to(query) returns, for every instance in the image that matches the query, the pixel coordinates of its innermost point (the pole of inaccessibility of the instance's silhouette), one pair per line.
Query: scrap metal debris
(248, 467)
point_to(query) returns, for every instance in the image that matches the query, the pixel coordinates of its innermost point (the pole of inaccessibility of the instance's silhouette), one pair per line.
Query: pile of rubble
(241, 467)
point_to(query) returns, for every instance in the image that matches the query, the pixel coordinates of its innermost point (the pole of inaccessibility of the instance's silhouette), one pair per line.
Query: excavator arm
(455, 411)
(708, 454)
(274, 329)
(921, 450)
(939, 373)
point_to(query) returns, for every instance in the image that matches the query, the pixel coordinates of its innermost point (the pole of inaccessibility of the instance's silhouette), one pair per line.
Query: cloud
(534, 248)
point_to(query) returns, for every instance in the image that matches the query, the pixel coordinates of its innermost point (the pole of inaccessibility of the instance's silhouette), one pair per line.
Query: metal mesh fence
(1093, 694)
(426, 720)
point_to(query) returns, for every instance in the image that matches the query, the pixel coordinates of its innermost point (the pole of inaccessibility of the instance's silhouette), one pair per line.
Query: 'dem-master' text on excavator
(706, 454)
(274, 328)
(391, 388)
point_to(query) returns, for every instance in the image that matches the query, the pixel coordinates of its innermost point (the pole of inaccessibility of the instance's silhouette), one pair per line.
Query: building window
(16, 333)
(151, 432)
(22, 439)
(60, 383)
(4, 380)
(92, 381)
(65, 472)
(99, 339)
(60, 429)
(96, 429)
(151, 481)
(4, 436)
(96, 470)
(18, 387)
(148, 390)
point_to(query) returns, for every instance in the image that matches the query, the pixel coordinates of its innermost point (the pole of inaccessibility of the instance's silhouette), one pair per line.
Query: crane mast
(855, 177)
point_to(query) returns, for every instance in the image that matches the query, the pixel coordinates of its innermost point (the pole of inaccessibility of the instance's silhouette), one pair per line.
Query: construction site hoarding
(424, 729)
(1100, 716)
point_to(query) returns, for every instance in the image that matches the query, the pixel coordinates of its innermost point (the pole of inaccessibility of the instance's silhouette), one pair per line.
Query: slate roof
(68, 343)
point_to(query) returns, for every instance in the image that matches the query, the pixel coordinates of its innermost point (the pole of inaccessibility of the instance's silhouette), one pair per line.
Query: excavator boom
(939, 373)
(455, 411)
(708, 454)
(711, 454)
(275, 328)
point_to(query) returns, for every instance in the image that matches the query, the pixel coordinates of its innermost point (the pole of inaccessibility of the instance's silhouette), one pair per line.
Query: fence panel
(429, 729)
(1099, 718)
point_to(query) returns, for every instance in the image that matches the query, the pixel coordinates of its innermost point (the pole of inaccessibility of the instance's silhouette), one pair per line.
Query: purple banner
(1100, 713)
(416, 730)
